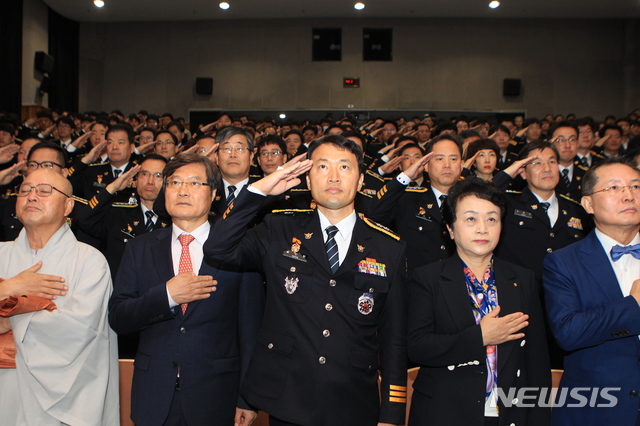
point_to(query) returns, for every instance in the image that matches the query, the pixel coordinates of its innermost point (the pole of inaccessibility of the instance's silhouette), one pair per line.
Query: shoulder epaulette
(581, 167)
(595, 154)
(124, 205)
(299, 190)
(79, 200)
(378, 227)
(255, 176)
(365, 194)
(511, 191)
(416, 189)
(98, 164)
(512, 142)
(570, 199)
(292, 211)
(375, 175)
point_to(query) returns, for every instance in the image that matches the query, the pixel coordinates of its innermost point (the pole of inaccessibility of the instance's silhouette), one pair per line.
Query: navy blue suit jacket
(212, 342)
(589, 317)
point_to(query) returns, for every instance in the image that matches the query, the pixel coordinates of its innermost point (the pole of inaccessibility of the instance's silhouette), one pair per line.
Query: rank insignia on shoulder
(575, 223)
(570, 199)
(293, 252)
(365, 304)
(372, 267)
(523, 213)
(379, 227)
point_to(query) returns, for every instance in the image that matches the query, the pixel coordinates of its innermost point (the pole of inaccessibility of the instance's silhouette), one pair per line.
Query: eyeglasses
(562, 140)
(239, 149)
(618, 189)
(175, 184)
(42, 190)
(145, 174)
(33, 165)
(268, 154)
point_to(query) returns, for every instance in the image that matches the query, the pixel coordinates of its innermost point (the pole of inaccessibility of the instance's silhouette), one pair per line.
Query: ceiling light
(358, 6)
(283, 116)
(494, 4)
(98, 3)
(224, 5)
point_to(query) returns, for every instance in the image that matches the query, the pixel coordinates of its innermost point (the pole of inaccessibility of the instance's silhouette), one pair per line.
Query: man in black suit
(197, 332)
(415, 212)
(335, 316)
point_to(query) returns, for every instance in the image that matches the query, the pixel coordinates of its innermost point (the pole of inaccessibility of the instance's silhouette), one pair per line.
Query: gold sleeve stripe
(224, 216)
(398, 388)
(396, 393)
(381, 192)
(93, 202)
(402, 400)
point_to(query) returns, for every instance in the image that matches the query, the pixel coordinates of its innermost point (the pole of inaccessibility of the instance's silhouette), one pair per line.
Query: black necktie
(442, 198)
(584, 161)
(565, 178)
(545, 206)
(232, 194)
(148, 227)
(116, 173)
(331, 247)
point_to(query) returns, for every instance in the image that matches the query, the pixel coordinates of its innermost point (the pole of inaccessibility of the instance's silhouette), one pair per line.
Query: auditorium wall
(588, 67)
(35, 38)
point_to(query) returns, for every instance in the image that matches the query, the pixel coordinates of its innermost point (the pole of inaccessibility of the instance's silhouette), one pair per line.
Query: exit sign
(352, 83)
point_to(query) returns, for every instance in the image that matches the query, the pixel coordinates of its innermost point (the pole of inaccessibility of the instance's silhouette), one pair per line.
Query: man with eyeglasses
(564, 137)
(66, 361)
(539, 220)
(197, 323)
(65, 129)
(272, 153)
(592, 292)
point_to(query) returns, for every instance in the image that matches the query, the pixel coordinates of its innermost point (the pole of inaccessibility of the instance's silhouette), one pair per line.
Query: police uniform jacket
(413, 213)
(527, 236)
(325, 337)
(95, 179)
(574, 190)
(115, 224)
(446, 342)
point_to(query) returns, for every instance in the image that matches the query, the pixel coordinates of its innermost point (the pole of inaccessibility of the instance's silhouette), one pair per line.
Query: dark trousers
(176, 413)
(277, 422)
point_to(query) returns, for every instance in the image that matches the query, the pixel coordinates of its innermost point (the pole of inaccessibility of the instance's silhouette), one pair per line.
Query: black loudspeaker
(45, 85)
(326, 44)
(204, 85)
(43, 62)
(376, 44)
(511, 87)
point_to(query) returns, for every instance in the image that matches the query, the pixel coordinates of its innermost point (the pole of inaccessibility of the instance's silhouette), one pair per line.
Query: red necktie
(185, 260)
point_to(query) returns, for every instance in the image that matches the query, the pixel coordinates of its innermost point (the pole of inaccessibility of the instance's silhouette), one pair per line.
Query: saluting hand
(7, 152)
(123, 181)
(94, 153)
(499, 330)
(416, 169)
(517, 167)
(7, 175)
(188, 287)
(284, 178)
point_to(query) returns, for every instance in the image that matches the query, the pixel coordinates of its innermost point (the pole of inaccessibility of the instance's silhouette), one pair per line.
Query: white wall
(35, 37)
(566, 66)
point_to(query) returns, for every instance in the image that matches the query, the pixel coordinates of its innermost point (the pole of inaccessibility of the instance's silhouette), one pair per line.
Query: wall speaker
(326, 44)
(45, 84)
(43, 63)
(377, 44)
(511, 87)
(204, 85)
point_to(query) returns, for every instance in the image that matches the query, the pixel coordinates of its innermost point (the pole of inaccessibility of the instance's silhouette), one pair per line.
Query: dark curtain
(11, 56)
(64, 46)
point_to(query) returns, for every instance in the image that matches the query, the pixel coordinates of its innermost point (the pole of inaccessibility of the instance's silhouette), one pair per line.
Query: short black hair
(443, 137)
(122, 128)
(537, 144)
(154, 156)
(609, 127)
(410, 145)
(560, 124)
(485, 190)
(60, 152)
(272, 140)
(342, 143)
(66, 120)
(174, 138)
(481, 144)
(227, 132)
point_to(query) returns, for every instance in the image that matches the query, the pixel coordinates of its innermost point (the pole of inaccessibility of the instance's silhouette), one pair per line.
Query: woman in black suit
(476, 326)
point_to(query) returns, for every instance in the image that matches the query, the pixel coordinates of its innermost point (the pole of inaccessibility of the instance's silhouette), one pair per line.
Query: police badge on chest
(291, 281)
(365, 303)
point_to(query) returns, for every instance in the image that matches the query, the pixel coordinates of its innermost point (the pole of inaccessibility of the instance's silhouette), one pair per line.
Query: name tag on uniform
(523, 213)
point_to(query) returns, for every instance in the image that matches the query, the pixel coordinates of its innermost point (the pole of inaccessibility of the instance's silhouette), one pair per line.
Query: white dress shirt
(343, 236)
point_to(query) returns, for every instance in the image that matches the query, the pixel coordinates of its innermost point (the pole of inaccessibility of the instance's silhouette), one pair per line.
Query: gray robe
(67, 364)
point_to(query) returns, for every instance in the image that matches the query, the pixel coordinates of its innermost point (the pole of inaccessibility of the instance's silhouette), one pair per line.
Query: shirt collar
(437, 194)
(553, 200)
(345, 226)
(608, 242)
(201, 233)
(238, 185)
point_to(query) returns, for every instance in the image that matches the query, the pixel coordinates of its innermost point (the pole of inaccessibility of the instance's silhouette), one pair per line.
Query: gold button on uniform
(322, 360)
(332, 283)
(326, 333)
(328, 306)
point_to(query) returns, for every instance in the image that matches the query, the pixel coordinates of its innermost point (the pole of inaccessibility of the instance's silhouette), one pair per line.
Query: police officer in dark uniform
(120, 148)
(335, 315)
(415, 212)
(539, 220)
(564, 137)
